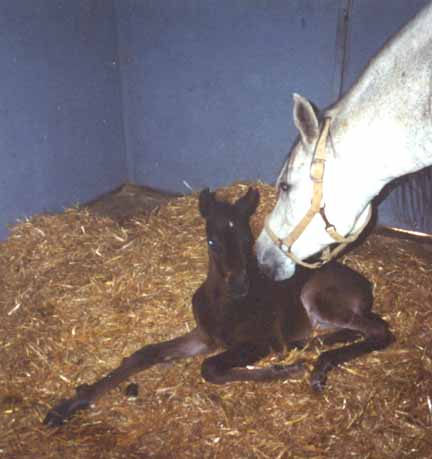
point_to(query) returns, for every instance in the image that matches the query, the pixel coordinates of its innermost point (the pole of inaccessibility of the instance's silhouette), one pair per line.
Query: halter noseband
(316, 175)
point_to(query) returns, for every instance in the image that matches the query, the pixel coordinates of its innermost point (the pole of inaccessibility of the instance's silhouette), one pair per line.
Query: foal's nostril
(239, 284)
(242, 278)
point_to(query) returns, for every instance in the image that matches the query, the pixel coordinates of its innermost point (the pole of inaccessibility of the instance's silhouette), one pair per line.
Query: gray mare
(381, 129)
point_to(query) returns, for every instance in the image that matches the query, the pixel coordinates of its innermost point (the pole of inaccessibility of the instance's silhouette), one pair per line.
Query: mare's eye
(283, 186)
(212, 244)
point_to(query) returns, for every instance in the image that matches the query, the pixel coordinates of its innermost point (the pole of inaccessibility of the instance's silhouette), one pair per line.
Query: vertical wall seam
(345, 44)
(342, 47)
(130, 169)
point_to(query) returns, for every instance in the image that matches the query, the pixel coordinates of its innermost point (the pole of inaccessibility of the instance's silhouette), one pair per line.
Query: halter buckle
(282, 246)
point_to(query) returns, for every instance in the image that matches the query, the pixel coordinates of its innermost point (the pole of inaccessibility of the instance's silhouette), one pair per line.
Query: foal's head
(229, 238)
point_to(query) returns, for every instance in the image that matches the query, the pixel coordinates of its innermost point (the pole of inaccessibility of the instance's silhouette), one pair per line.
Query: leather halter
(316, 175)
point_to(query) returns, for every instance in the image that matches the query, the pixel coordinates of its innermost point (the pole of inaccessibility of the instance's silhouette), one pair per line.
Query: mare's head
(295, 190)
(229, 238)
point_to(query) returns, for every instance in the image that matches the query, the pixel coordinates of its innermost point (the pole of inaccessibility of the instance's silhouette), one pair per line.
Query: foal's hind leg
(340, 298)
(226, 367)
(376, 336)
(338, 336)
(188, 345)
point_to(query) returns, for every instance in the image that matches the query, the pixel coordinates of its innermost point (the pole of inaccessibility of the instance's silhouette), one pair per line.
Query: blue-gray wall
(207, 84)
(170, 92)
(61, 131)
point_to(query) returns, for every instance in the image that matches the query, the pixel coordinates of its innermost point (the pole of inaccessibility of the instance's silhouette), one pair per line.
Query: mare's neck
(368, 152)
(382, 127)
(371, 146)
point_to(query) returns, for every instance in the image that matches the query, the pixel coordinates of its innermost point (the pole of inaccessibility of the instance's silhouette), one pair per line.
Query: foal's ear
(305, 119)
(206, 199)
(248, 203)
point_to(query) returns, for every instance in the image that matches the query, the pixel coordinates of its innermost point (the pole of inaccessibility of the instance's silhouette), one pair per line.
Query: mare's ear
(206, 199)
(305, 119)
(248, 203)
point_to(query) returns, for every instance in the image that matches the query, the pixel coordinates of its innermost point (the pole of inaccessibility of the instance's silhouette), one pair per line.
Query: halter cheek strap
(316, 207)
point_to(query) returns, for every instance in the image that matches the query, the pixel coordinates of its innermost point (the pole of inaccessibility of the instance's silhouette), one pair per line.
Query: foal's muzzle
(238, 284)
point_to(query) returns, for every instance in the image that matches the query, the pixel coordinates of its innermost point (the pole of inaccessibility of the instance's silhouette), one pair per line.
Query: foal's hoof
(64, 410)
(58, 414)
(318, 382)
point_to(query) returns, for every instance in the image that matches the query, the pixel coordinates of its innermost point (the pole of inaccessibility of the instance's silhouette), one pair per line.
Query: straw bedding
(79, 292)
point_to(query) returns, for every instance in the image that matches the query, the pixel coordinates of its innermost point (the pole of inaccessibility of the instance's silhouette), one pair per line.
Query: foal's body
(239, 309)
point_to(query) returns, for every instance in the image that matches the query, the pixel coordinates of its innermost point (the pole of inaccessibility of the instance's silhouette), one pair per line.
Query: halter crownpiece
(316, 174)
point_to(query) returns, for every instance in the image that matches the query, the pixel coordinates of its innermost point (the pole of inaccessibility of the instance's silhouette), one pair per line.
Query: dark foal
(239, 309)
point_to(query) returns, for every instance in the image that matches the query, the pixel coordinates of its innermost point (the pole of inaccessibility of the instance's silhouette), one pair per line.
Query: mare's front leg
(230, 365)
(193, 343)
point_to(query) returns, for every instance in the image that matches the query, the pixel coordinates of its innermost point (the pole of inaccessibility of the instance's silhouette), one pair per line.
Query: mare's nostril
(267, 270)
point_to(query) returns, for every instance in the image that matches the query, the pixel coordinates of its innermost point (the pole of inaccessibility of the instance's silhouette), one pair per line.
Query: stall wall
(61, 130)
(207, 85)
(174, 94)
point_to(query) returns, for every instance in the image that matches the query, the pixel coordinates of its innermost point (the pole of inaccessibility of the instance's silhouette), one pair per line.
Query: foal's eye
(212, 244)
(283, 186)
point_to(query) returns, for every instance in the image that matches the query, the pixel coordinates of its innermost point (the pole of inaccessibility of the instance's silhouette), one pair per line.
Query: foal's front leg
(193, 343)
(230, 366)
